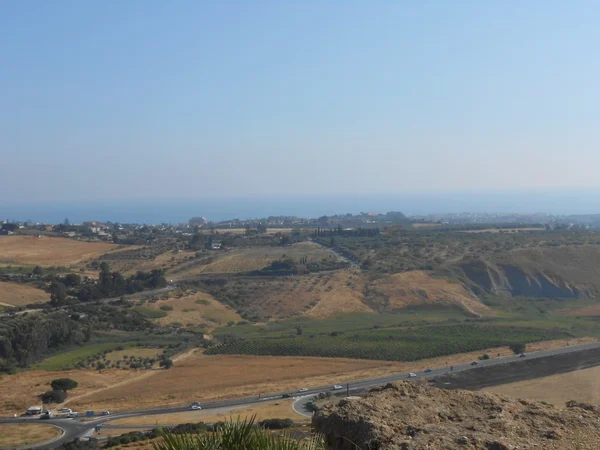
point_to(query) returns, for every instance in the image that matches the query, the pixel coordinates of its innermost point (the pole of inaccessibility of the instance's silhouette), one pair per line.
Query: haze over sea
(570, 201)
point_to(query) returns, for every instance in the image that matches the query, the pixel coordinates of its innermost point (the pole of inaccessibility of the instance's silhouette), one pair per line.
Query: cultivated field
(17, 294)
(47, 251)
(195, 310)
(417, 287)
(17, 435)
(581, 385)
(281, 409)
(319, 295)
(249, 259)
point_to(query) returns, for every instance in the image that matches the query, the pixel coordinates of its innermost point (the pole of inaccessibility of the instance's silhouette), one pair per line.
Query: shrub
(55, 396)
(517, 348)
(276, 424)
(63, 384)
(166, 308)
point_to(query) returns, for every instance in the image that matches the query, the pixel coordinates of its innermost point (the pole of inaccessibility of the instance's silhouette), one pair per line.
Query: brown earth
(16, 435)
(420, 288)
(581, 385)
(18, 294)
(406, 416)
(592, 310)
(48, 251)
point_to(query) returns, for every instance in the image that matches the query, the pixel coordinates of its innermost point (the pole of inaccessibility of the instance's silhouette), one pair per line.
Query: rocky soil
(413, 416)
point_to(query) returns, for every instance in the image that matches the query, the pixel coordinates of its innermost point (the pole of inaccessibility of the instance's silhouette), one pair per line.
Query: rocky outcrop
(411, 416)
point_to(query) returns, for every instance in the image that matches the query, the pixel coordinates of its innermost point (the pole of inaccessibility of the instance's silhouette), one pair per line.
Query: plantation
(409, 344)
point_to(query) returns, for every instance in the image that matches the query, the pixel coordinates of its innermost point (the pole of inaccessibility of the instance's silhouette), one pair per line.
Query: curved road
(75, 428)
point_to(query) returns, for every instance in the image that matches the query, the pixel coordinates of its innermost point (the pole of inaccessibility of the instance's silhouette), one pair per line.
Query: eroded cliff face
(410, 416)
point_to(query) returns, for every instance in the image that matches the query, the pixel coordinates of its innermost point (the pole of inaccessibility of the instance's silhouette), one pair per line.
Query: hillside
(554, 272)
(406, 416)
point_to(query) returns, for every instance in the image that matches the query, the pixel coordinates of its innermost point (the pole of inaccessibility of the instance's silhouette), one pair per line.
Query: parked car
(412, 375)
(337, 387)
(522, 355)
(196, 407)
(46, 415)
(428, 370)
(286, 396)
(302, 389)
(73, 414)
(65, 410)
(105, 413)
(474, 363)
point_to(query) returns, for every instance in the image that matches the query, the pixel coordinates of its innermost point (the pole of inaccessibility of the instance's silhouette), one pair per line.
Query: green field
(68, 359)
(401, 344)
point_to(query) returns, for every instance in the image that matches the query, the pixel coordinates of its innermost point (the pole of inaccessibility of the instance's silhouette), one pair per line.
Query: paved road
(75, 428)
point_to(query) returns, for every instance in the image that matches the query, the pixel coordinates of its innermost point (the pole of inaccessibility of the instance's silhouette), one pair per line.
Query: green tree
(166, 363)
(54, 396)
(58, 293)
(63, 384)
(518, 348)
(72, 280)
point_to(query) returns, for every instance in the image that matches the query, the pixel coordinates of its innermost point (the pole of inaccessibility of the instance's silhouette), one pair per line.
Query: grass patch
(166, 308)
(149, 313)
(202, 301)
(68, 359)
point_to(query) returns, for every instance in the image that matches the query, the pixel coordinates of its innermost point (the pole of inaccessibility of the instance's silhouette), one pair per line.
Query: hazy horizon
(146, 99)
(153, 211)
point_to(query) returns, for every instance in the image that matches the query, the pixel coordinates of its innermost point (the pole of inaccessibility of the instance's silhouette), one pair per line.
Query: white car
(337, 387)
(412, 375)
(73, 414)
(302, 389)
(196, 407)
(65, 410)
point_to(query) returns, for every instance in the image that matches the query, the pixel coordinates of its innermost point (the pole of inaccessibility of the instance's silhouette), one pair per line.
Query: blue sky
(190, 99)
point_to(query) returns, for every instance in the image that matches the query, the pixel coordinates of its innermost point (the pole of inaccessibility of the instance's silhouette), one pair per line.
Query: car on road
(73, 414)
(46, 415)
(105, 413)
(428, 370)
(337, 387)
(302, 389)
(474, 363)
(286, 396)
(412, 375)
(65, 410)
(196, 407)
(523, 355)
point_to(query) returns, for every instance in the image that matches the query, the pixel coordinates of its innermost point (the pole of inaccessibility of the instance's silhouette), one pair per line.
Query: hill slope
(416, 416)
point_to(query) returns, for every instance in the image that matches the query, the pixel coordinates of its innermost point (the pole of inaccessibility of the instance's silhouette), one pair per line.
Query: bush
(166, 308)
(517, 348)
(55, 396)
(484, 357)
(166, 363)
(63, 384)
(276, 424)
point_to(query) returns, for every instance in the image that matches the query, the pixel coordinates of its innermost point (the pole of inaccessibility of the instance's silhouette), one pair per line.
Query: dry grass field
(47, 251)
(248, 259)
(198, 309)
(17, 294)
(582, 386)
(343, 292)
(591, 310)
(280, 409)
(419, 288)
(202, 378)
(138, 352)
(20, 391)
(16, 435)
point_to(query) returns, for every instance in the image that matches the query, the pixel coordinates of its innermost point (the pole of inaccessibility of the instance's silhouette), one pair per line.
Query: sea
(157, 211)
